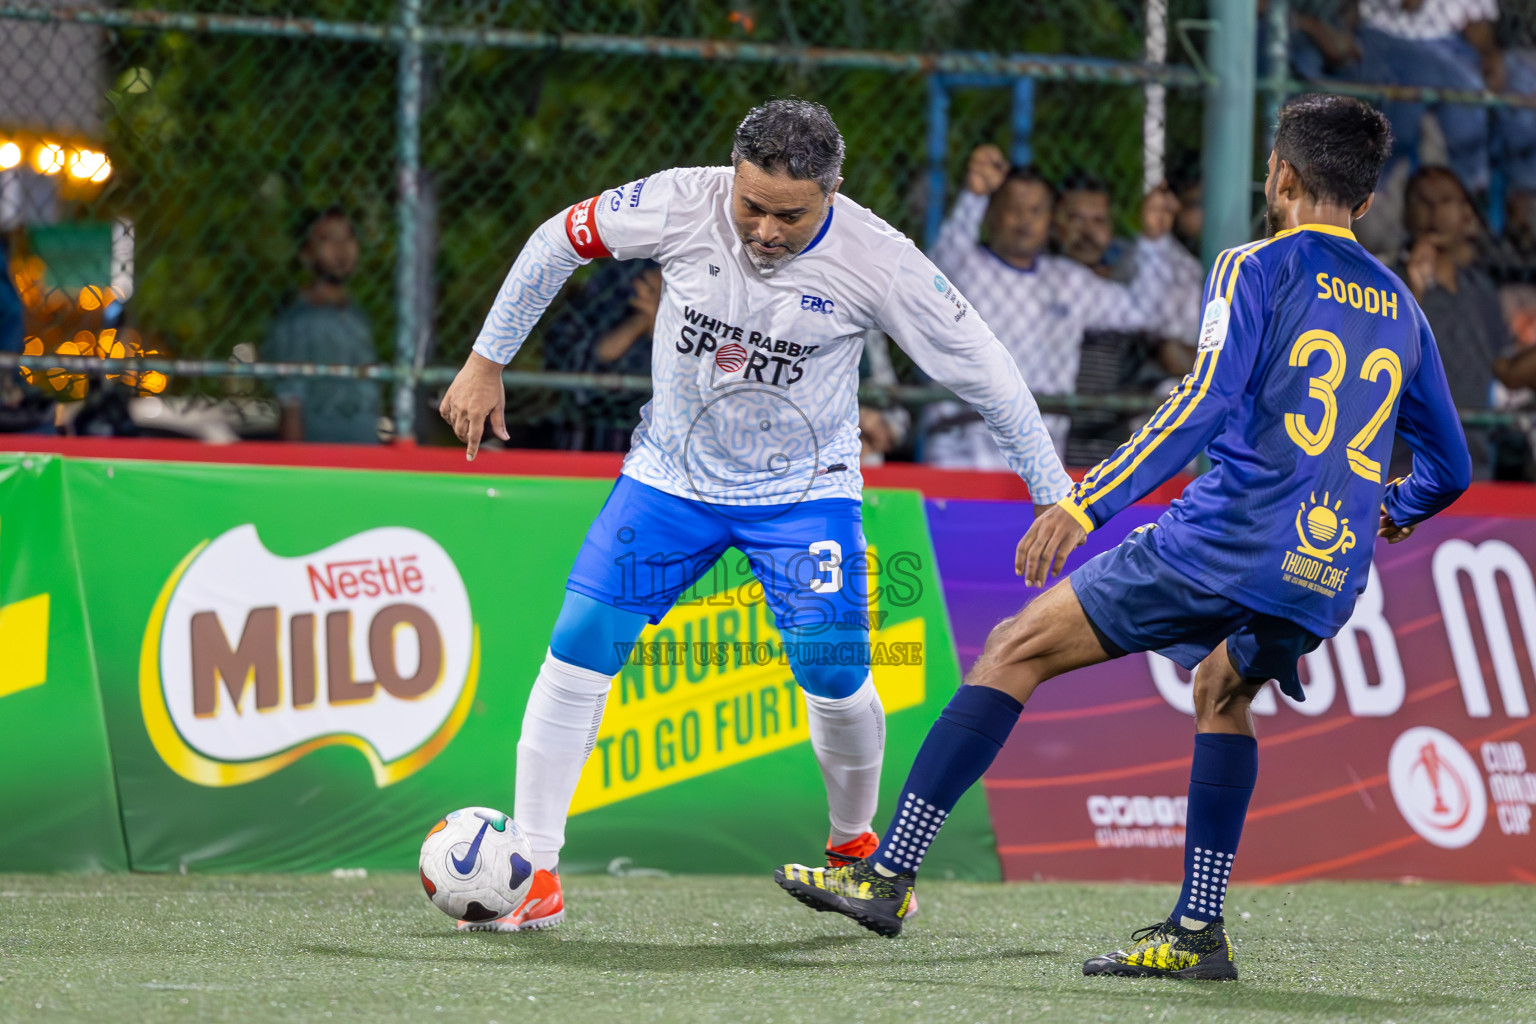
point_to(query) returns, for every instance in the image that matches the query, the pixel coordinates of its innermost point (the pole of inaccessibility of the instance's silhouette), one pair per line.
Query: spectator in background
(1120, 361)
(1084, 226)
(883, 427)
(1037, 304)
(605, 328)
(626, 347)
(1189, 222)
(324, 325)
(1323, 40)
(1459, 300)
(1084, 229)
(1443, 44)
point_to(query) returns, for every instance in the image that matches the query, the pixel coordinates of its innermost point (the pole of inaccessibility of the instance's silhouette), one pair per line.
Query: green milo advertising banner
(58, 805)
(277, 669)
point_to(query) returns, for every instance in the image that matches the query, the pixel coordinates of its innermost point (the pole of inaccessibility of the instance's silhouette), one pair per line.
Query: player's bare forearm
(1044, 548)
(475, 394)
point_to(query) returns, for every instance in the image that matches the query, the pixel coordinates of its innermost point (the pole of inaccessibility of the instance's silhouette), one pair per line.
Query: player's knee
(833, 681)
(1223, 692)
(1016, 640)
(593, 635)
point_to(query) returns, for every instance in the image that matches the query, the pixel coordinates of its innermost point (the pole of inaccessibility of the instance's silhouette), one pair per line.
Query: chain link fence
(448, 131)
(194, 144)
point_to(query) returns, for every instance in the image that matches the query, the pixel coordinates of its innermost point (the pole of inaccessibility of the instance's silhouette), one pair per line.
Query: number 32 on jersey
(1324, 388)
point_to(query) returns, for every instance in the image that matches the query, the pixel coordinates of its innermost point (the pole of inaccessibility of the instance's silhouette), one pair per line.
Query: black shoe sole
(1199, 972)
(822, 902)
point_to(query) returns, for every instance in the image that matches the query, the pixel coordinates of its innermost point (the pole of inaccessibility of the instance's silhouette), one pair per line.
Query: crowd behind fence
(261, 205)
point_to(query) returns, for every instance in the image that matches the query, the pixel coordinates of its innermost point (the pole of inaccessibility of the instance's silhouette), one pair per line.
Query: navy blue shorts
(647, 547)
(1136, 601)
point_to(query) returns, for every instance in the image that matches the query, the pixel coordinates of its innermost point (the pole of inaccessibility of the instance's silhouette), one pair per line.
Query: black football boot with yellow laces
(1168, 950)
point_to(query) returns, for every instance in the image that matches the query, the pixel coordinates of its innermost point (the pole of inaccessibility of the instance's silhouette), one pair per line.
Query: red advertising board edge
(1483, 499)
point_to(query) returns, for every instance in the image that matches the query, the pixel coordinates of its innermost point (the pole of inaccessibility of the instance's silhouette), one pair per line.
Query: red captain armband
(581, 229)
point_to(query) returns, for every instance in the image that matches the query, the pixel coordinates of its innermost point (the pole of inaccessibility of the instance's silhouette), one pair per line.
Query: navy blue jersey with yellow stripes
(1311, 354)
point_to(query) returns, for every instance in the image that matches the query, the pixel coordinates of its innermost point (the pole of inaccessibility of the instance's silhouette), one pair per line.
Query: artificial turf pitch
(304, 948)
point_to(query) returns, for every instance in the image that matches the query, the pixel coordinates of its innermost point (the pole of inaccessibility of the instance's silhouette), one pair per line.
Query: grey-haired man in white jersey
(770, 278)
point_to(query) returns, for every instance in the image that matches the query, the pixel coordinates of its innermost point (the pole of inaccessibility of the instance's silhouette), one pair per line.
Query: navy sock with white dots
(1221, 780)
(957, 751)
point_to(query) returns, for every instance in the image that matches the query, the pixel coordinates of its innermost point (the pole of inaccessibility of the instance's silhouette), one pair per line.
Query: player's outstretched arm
(1442, 467)
(1231, 333)
(537, 275)
(937, 327)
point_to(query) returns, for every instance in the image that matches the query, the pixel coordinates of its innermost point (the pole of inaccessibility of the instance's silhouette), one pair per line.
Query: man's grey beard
(762, 262)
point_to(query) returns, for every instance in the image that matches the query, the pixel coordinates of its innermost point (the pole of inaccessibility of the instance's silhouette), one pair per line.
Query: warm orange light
(153, 382)
(10, 155)
(29, 279)
(87, 163)
(92, 297)
(67, 384)
(48, 158)
(103, 172)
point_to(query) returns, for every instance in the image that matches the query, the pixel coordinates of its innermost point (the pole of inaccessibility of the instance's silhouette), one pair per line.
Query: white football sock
(848, 735)
(559, 729)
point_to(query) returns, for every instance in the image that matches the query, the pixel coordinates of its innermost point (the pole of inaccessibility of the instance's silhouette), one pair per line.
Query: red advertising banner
(1414, 754)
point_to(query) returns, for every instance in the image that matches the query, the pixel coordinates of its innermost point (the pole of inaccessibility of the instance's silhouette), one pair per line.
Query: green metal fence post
(407, 211)
(1277, 75)
(1227, 165)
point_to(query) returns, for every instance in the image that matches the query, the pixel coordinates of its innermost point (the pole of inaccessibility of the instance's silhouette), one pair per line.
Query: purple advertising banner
(1410, 757)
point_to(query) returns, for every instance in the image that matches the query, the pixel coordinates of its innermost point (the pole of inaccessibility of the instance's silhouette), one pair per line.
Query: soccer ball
(476, 864)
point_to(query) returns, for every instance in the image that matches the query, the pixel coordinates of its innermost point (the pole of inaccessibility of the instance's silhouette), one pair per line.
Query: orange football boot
(858, 848)
(543, 907)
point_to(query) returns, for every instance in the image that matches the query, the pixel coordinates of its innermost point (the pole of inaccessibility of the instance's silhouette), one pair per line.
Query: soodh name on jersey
(783, 360)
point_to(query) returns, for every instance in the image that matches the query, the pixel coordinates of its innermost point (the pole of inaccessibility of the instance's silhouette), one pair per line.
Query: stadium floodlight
(10, 155)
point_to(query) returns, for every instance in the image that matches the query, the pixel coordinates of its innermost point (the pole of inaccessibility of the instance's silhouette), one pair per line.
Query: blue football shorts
(1135, 601)
(647, 547)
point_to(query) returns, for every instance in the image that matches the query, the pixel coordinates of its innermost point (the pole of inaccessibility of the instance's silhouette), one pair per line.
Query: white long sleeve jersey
(756, 372)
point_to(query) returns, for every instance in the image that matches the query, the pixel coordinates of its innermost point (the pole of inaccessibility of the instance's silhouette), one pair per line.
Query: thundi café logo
(251, 660)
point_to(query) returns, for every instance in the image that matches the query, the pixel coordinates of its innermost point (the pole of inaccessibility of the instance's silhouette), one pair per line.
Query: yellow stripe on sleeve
(1070, 507)
(1205, 385)
(1167, 428)
(1161, 417)
(1092, 478)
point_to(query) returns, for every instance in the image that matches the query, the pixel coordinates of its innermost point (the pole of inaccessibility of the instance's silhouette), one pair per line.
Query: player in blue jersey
(1311, 353)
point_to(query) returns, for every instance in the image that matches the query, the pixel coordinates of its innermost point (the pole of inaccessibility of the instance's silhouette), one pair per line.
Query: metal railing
(902, 394)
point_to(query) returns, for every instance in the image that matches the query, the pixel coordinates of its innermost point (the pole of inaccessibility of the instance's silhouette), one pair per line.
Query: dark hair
(1028, 174)
(794, 137)
(310, 217)
(1082, 181)
(1417, 180)
(1423, 174)
(1336, 144)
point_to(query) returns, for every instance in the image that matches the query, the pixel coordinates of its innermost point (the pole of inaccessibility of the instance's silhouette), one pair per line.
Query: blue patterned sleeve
(536, 277)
